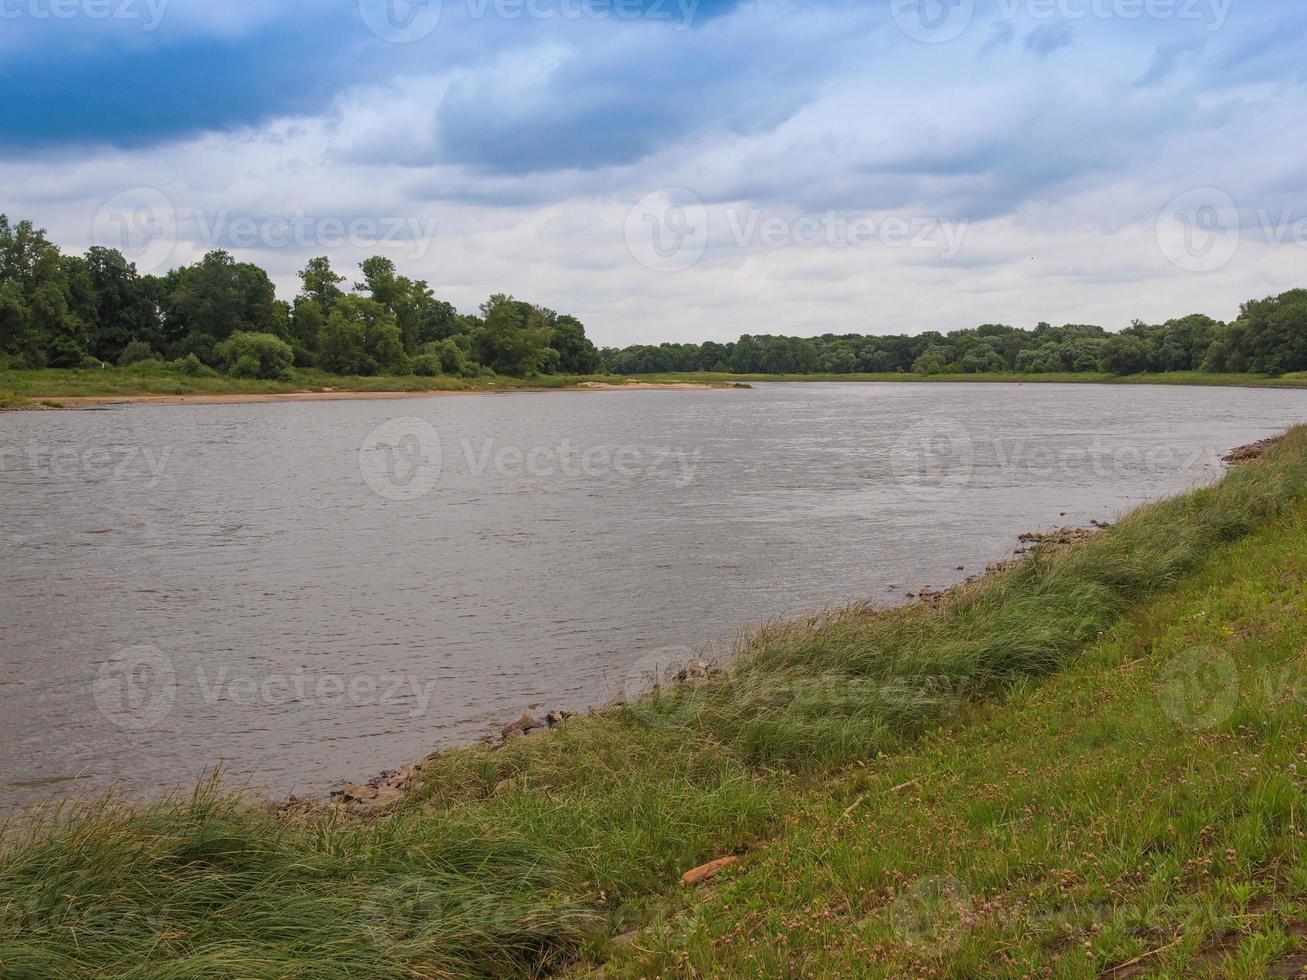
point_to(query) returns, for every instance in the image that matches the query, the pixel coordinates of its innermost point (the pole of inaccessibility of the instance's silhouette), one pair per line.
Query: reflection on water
(316, 591)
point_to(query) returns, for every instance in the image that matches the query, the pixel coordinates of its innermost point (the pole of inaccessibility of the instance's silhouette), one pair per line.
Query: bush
(256, 355)
(89, 363)
(134, 353)
(426, 365)
(192, 365)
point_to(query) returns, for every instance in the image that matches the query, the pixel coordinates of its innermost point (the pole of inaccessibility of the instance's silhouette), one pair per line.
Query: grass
(1051, 800)
(1298, 380)
(157, 379)
(162, 380)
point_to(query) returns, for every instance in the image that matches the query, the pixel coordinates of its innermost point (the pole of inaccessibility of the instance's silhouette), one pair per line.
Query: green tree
(37, 324)
(361, 337)
(255, 355)
(513, 338)
(576, 354)
(205, 303)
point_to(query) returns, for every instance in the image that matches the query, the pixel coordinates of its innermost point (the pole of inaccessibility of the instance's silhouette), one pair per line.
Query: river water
(311, 592)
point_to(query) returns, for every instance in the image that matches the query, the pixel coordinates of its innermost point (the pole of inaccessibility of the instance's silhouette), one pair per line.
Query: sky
(685, 170)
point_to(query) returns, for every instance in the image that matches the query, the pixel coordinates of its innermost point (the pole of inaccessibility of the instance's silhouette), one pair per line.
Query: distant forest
(1268, 337)
(218, 314)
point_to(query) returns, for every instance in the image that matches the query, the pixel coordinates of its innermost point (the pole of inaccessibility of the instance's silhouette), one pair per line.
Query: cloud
(1167, 58)
(1047, 38)
(528, 141)
(1001, 35)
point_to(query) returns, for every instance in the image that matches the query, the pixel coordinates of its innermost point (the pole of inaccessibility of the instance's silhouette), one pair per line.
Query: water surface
(296, 591)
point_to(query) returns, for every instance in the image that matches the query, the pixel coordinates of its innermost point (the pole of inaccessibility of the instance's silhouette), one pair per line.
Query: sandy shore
(329, 394)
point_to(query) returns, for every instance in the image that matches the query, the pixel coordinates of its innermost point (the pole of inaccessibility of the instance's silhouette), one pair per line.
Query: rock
(695, 671)
(355, 793)
(521, 726)
(554, 719)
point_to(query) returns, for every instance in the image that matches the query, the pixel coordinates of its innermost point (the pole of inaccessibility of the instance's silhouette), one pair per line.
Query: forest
(1268, 337)
(221, 315)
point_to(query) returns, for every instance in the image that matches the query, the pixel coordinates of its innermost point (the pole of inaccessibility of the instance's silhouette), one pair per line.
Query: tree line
(61, 310)
(1268, 337)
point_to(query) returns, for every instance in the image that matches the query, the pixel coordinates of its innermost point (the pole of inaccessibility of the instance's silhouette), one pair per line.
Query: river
(311, 592)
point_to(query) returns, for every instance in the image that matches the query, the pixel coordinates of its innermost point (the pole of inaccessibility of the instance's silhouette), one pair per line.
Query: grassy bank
(1022, 775)
(162, 380)
(1171, 378)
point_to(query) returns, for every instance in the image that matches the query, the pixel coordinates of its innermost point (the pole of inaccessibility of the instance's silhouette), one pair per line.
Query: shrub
(426, 365)
(192, 365)
(134, 353)
(255, 355)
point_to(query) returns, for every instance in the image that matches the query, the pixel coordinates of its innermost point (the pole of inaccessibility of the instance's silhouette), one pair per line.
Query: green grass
(162, 380)
(1298, 380)
(1054, 803)
(156, 379)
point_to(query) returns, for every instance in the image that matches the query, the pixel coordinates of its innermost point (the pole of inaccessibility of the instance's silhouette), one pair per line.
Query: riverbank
(54, 388)
(1082, 761)
(1196, 378)
(115, 386)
